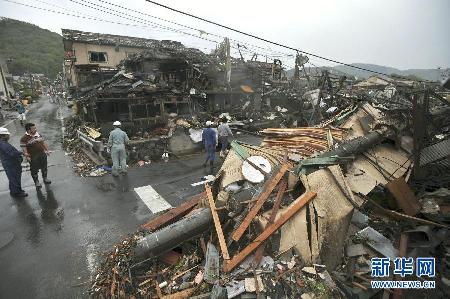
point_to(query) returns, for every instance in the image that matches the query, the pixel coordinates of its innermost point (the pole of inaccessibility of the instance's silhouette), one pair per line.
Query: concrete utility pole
(31, 83)
(2, 74)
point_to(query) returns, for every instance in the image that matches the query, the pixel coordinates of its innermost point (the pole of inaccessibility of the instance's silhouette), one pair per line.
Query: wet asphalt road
(60, 231)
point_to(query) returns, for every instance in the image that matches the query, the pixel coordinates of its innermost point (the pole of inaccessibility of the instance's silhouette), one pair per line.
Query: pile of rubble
(302, 215)
(74, 147)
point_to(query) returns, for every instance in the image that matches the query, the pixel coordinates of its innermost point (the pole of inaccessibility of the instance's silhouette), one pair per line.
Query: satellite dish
(252, 174)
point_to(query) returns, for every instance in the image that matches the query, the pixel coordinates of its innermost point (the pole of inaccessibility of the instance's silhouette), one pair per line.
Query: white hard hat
(209, 123)
(117, 123)
(4, 131)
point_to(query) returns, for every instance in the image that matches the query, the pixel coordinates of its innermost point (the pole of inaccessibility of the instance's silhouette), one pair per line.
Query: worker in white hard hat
(116, 143)
(12, 164)
(209, 139)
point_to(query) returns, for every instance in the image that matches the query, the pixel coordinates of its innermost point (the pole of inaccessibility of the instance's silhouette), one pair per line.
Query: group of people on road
(118, 139)
(34, 149)
(211, 139)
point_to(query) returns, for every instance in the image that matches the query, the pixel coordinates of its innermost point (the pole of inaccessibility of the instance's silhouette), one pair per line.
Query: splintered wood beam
(173, 214)
(404, 196)
(268, 188)
(292, 210)
(219, 231)
(180, 295)
(276, 207)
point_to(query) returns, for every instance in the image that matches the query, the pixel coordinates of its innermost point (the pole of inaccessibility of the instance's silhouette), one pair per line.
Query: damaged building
(90, 58)
(169, 86)
(170, 78)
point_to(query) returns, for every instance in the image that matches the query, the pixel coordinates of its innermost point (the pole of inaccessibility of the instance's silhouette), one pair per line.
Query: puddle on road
(92, 258)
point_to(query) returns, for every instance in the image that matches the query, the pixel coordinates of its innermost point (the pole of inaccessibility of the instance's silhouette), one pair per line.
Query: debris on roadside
(300, 216)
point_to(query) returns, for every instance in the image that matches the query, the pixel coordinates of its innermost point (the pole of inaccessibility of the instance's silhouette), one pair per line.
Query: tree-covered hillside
(28, 48)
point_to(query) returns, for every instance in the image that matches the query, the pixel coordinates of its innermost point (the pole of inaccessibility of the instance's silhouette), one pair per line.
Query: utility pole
(31, 83)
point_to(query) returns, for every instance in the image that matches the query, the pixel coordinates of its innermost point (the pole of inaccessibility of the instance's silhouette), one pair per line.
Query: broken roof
(114, 40)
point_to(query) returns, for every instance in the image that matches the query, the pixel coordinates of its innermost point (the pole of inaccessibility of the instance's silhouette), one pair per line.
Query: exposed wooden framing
(276, 207)
(292, 210)
(105, 99)
(130, 110)
(173, 214)
(93, 113)
(161, 105)
(268, 188)
(219, 231)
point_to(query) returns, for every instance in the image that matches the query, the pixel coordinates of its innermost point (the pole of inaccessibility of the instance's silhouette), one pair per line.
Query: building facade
(91, 58)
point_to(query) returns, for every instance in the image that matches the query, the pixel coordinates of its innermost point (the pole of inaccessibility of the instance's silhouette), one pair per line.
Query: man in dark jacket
(209, 139)
(11, 160)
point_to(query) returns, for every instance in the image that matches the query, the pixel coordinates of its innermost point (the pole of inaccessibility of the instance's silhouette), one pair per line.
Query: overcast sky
(398, 33)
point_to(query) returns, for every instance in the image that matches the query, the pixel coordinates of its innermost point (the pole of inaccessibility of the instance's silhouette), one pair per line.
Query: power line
(73, 15)
(63, 8)
(125, 16)
(182, 25)
(146, 21)
(263, 39)
(85, 16)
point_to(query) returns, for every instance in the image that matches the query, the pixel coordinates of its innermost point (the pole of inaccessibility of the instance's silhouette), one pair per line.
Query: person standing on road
(209, 139)
(11, 160)
(21, 109)
(116, 143)
(224, 132)
(36, 152)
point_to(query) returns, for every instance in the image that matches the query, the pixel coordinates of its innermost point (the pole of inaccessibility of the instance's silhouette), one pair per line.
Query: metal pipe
(356, 146)
(173, 235)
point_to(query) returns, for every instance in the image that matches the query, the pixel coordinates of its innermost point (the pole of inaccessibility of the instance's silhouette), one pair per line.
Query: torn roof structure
(91, 58)
(70, 35)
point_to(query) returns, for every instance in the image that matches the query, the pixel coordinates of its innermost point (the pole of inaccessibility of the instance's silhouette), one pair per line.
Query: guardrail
(95, 146)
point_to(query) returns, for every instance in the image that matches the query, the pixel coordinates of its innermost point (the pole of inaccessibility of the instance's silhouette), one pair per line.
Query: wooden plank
(276, 207)
(404, 196)
(400, 216)
(292, 210)
(219, 231)
(173, 214)
(180, 295)
(268, 188)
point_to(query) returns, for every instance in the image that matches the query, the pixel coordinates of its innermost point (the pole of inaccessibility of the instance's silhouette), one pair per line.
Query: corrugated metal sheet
(435, 152)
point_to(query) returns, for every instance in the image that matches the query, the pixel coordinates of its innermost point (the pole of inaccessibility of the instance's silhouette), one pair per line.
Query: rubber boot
(204, 164)
(46, 181)
(44, 178)
(211, 164)
(36, 182)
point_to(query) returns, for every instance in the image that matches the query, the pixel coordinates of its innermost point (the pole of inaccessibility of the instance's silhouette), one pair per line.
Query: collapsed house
(170, 78)
(301, 215)
(165, 93)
